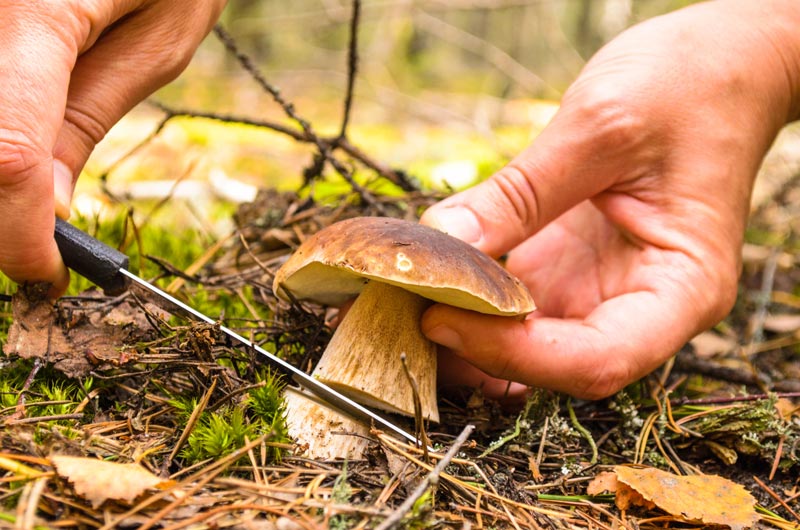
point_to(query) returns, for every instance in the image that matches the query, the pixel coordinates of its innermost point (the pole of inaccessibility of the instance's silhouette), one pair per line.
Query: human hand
(625, 218)
(69, 71)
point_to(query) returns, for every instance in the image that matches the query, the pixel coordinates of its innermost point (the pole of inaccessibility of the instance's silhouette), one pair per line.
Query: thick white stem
(321, 432)
(363, 359)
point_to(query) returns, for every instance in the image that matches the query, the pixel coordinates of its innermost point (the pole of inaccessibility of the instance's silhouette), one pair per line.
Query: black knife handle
(91, 258)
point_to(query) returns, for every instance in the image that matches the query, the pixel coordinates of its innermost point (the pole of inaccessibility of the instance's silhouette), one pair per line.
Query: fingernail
(446, 337)
(62, 188)
(457, 221)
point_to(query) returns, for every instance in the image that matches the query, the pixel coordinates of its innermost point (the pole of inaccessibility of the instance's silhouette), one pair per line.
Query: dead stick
(198, 410)
(419, 421)
(352, 66)
(777, 497)
(323, 147)
(293, 133)
(431, 481)
(43, 419)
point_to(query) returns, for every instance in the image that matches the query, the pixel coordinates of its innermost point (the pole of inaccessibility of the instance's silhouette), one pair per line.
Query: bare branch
(352, 66)
(432, 480)
(324, 148)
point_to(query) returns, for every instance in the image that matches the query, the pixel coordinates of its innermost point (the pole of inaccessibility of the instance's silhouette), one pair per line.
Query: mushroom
(396, 269)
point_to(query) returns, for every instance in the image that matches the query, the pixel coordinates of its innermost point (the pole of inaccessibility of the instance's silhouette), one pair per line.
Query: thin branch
(398, 178)
(324, 148)
(352, 66)
(431, 480)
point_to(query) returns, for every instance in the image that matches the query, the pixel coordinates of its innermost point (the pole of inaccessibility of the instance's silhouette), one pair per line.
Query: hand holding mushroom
(378, 355)
(625, 217)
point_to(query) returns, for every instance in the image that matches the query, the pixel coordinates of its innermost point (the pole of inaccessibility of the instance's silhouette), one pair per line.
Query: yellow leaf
(97, 480)
(603, 482)
(787, 409)
(705, 499)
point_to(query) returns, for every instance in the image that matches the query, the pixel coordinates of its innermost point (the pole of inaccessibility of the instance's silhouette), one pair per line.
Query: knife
(108, 269)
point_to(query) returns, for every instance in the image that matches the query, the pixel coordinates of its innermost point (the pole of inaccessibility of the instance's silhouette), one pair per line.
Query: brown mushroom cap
(333, 265)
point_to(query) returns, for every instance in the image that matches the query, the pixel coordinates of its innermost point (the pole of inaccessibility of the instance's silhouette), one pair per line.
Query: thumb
(591, 143)
(130, 61)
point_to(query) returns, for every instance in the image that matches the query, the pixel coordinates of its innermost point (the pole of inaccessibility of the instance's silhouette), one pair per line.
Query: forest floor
(116, 379)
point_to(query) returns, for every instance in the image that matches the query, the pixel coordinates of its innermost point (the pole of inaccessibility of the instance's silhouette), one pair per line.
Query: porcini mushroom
(396, 269)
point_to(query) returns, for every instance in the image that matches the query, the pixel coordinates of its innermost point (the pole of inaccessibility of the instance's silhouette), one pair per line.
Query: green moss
(219, 433)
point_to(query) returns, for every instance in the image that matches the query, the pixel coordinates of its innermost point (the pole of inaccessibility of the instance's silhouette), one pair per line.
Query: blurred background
(446, 91)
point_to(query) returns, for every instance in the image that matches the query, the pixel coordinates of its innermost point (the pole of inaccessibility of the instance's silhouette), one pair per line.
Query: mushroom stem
(321, 432)
(363, 358)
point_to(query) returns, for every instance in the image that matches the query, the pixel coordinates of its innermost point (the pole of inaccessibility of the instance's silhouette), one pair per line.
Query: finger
(624, 339)
(455, 372)
(129, 62)
(34, 66)
(592, 142)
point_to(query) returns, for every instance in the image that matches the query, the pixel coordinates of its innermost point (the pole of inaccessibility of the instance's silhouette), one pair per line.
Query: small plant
(340, 494)
(268, 408)
(217, 434)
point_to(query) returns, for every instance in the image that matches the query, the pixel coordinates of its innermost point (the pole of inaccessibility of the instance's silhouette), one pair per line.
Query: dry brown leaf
(627, 497)
(602, 483)
(708, 499)
(98, 480)
(787, 409)
(723, 452)
(78, 340)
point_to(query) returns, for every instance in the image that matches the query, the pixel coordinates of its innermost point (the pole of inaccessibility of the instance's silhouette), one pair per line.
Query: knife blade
(108, 269)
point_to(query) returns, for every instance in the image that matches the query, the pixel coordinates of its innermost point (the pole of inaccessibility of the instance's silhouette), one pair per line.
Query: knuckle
(88, 127)
(20, 157)
(176, 60)
(610, 113)
(720, 292)
(515, 187)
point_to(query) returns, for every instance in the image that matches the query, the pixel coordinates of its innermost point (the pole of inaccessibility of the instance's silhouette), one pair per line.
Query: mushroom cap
(334, 264)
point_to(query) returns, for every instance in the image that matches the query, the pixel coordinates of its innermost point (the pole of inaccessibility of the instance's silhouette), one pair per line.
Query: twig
(688, 363)
(775, 496)
(37, 365)
(323, 147)
(43, 419)
(419, 421)
(733, 399)
(155, 132)
(430, 481)
(344, 144)
(191, 422)
(352, 66)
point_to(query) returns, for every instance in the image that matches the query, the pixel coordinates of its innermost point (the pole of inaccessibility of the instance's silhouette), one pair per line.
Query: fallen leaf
(605, 482)
(627, 497)
(787, 409)
(76, 339)
(98, 480)
(723, 452)
(707, 499)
